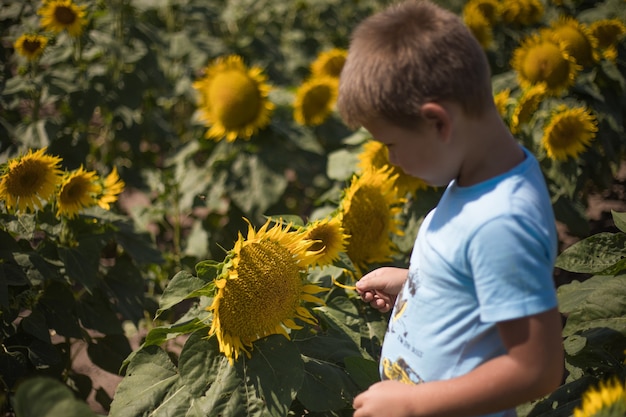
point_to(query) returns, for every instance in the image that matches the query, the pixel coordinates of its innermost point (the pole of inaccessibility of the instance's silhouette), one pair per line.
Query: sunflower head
(112, 187)
(375, 156)
(233, 99)
(607, 399)
(262, 288)
(29, 181)
(526, 106)
(59, 15)
(578, 40)
(369, 209)
(521, 12)
(329, 237)
(315, 100)
(31, 46)
(569, 132)
(479, 25)
(608, 32)
(487, 8)
(79, 190)
(541, 60)
(329, 63)
(502, 99)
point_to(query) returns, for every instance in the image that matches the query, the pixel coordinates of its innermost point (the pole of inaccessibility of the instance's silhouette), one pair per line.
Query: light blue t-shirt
(485, 254)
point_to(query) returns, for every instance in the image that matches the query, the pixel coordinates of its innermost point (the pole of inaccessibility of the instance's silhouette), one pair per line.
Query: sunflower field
(179, 197)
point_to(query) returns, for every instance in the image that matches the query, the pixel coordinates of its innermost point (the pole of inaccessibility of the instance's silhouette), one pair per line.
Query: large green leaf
(47, 397)
(181, 287)
(594, 254)
(326, 386)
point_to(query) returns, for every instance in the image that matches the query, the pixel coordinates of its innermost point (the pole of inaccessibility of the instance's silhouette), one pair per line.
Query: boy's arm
(531, 368)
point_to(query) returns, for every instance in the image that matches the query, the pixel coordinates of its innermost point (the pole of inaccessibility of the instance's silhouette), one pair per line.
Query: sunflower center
(545, 62)
(576, 44)
(265, 293)
(235, 99)
(26, 178)
(64, 15)
(370, 217)
(316, 100)
(31, 45)
(565, 132)
(334, 66)
(75, 190)
(321, 235)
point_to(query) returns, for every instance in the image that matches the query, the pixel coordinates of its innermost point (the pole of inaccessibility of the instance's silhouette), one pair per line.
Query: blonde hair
(409, 54)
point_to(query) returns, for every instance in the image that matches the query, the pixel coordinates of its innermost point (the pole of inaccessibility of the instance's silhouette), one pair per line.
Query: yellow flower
(375, 156)
(233, 99)
(608, 32)
(521, 12)
(262, 288)
(569, 132)
(315, 100)
(111, 189)
(26, 182)
(488, 8)
(502, 100)
(31, 46)
(527, 105)
(59, 15)
(369, 210)
(606, 400)
(329, 63)
(479, 25)
(330, 239)
(79, 190)
(540, 60)
(577, 39)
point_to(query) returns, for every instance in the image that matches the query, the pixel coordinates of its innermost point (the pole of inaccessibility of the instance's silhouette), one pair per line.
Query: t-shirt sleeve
(512, 262)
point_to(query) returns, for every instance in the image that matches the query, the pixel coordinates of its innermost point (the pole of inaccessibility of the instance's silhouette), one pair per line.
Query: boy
(475, 328)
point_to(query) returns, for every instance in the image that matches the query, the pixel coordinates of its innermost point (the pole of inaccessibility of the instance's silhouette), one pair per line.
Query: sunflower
(262, 288)
(369, 209)
(233, 99)
(608, 32)
(375, 156)
(330, 239)
(578, 40)
(26, 182)
(526, 106)
(315, 100)
(479, 25)
(329, 63)
(59, 15)
(541, 60)
(521, 12)
(31, 46)
(79, 190)
(488, 8)
(112, 187)
(569, 132)
(502, 100)
(606, 400)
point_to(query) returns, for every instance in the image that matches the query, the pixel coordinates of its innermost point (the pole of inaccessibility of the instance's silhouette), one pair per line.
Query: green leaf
(80, 266)
(148, 379)
(109, 352)
(47, 397)
(364, 372)
(181, 287)
(326, 386)
(620, 220)
(594, 254)
(59, 307)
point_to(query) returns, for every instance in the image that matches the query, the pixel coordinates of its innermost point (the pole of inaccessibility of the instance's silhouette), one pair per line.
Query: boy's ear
(438, 117)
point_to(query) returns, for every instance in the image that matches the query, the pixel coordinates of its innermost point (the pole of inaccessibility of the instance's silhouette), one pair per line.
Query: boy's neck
(490, 150)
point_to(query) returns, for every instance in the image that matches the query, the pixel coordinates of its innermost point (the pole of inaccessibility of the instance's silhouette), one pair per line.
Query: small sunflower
(608, 32)
(31, 46)
(569, 132)
(541, 60)
(112, 187)
(79, 190)
(375, 156)
(479, 25)
(488, 8)
(527, 105)
(578, 40)
(521, 12)
(502, 100)
(59, 15)
(606, 400)
(330, 239)
(329, 63)
(315, 100)
(369, 209)
(262, 288)
(233, 99)
(26, 182)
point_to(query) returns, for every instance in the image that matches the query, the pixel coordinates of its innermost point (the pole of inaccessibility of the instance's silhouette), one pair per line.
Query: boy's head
(412, 53)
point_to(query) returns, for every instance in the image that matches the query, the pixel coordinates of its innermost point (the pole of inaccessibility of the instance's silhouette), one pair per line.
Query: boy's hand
(386, 398)
(380, 287)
